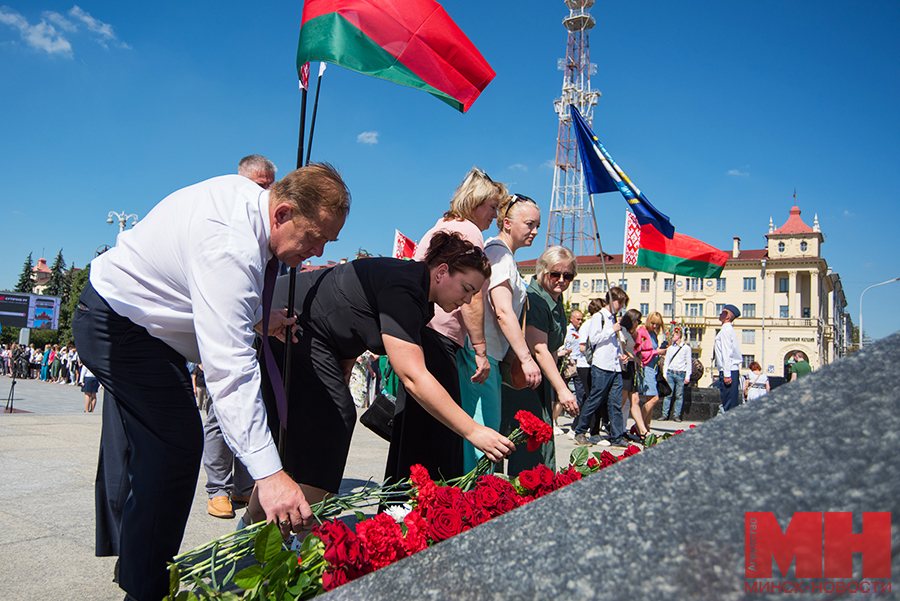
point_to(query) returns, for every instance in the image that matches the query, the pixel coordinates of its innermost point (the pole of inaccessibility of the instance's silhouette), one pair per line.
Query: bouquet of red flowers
(335, 554)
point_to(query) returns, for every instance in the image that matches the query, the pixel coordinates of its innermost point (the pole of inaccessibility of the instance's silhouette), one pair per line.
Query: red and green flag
(410, 42)
(680, 254)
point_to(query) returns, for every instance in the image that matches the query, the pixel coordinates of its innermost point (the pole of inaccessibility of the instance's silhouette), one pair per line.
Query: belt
(675, 371)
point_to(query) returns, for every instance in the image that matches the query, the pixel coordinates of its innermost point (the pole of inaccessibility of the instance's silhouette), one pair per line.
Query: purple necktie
(271, 366)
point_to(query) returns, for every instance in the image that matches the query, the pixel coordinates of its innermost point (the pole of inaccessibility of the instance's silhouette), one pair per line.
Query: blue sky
(716, 110)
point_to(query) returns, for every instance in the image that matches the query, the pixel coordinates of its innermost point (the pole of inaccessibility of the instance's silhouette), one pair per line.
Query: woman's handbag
(662, 385)
(511, 372)
(379, 417)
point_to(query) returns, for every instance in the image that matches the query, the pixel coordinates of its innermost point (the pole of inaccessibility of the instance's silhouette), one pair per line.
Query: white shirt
(573, 341)
(678, 358)
(503, 269)
(605, 341)
(191, 273)
(583, 331)
(728, 350)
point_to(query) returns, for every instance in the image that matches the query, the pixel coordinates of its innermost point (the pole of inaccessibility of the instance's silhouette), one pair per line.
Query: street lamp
(122, 217)
(860, 306)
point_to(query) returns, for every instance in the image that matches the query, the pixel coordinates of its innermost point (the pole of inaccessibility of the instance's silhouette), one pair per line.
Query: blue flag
(603, 175)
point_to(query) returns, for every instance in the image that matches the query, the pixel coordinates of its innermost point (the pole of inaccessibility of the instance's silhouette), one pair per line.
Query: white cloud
(50, 34)
(549, 164)
(848, 214)
(42, 36)
(738, 173)
(367, 137)
(104, 30)
(518, 167)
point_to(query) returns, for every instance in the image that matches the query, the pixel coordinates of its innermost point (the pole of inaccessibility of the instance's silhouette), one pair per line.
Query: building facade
(789, 299)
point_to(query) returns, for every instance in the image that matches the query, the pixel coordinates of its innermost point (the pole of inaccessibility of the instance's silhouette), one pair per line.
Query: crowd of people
(53, 364)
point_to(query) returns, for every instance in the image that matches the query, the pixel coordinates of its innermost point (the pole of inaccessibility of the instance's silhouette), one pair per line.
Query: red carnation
(416, 532)
(342, 547)
(444, 523)
(538, 431)
(382, 537)
(425, 487)
(593, 463)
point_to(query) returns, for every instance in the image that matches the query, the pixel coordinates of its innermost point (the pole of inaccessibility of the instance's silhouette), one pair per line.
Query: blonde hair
(552, 256)
(476, 189)
(656, 318)
(510, 206)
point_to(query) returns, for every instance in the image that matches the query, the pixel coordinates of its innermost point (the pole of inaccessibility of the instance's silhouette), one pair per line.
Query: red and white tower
(571, 222)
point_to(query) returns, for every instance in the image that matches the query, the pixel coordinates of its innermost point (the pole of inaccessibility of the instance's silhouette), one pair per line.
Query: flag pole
(312, 125)
(292, 282)
(599, 244)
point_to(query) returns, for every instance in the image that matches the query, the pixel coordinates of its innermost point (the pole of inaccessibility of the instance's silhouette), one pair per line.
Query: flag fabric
(632, 239)
(304, 76)
(681, 255)
(601, 174)
(404, 248)
(410, 42)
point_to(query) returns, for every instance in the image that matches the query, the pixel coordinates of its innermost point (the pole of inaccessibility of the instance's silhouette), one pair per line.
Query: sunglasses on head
(565, 275)
(480, 173)
(516, 198)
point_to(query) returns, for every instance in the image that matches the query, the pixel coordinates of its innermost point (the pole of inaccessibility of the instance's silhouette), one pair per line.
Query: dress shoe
(242, 501)
(220, 507)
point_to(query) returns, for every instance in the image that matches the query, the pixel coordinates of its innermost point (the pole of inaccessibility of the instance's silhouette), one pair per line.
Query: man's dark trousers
(151, 388)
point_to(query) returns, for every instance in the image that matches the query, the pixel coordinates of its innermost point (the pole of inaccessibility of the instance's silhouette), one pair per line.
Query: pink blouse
(643, 346)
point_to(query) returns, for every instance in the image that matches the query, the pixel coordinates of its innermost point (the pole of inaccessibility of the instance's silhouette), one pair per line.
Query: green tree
(67, 310)
(25, 279)
(59, 283)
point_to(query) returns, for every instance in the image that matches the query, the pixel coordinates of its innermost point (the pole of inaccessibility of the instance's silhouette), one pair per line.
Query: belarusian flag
(404, 248)
(410, 42)
(680, 254)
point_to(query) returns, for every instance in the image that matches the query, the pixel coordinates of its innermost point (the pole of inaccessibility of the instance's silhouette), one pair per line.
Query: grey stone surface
(669, 523)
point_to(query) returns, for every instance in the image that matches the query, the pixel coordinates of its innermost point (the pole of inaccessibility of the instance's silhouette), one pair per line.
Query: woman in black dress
(381, 305)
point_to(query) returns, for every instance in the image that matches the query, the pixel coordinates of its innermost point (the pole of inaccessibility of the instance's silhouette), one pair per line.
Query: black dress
(343, 311)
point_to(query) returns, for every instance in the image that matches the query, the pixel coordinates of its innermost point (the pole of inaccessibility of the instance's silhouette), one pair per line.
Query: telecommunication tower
(571, 223)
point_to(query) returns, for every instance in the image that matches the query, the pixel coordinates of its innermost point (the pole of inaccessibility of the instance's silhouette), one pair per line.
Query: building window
(720, 285)
(575, 307)
(645, 284)
(803, 246)
(694, 334)
(645, 309)
(749, 284)
(668, 284)
(694, 284)
(623, 284)
(746, 360)
(783, 285)
(749, 310)
(805, 312)
(598, 286)
(783, 311)
(719, 308)
(781, 247)
(748, 336)
(667, 309)
(695, 309)
(576, 286)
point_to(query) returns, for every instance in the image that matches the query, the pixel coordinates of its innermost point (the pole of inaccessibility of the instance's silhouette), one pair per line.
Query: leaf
(278, 561)
(249, 577)
(303, 581)
(360, 516)
(212, 566)
(174, 580)
(268, 543)
(579, 456)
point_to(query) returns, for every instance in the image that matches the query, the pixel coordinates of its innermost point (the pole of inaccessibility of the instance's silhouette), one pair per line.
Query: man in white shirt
(729, 358)
(184, 285)
(606, 370)
(677, 372)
